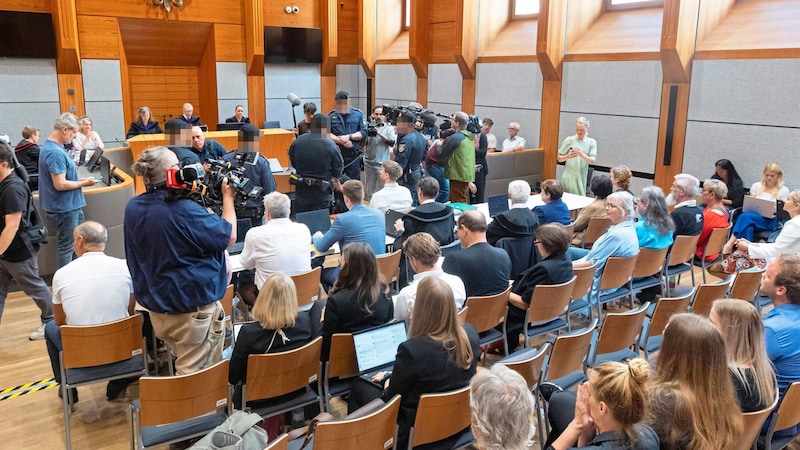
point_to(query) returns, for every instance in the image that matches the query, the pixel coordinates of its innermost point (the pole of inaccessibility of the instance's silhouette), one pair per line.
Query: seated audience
(770, 187)
(187, 116)
(143, 124)
(279, 245)
(609, 409)
(781, 283)
(601, 188)
(392, 195)
(715, 215)
(484, 269)
(238, 116)
(751, 370)
(491, 139)
(688, 217)
(502, 407)
(432, 217)
(788, 241)
(621, 177)
(278, 327)
(519, 220)
(440, 355)
(552, 242)
(359, 298)
(27, 152)
(726, 173)
(655, 226)
(513, 143)
(422, 252)
(86, 138)
(554, 209)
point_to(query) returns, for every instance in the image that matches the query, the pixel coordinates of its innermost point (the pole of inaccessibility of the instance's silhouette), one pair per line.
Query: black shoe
(73, 394)
(547, 390)
(117, 387)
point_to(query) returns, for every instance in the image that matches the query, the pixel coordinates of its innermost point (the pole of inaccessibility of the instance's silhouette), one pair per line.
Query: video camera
(205, 187)
(421, 115)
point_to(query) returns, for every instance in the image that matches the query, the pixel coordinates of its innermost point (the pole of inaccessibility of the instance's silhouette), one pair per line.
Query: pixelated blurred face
(580, 130)
(343, 105)
(239, 111)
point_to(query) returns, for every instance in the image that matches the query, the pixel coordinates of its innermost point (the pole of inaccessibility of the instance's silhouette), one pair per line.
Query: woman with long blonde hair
(751, 370)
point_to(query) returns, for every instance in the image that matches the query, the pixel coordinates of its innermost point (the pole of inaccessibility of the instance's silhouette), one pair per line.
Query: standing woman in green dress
(577, 153)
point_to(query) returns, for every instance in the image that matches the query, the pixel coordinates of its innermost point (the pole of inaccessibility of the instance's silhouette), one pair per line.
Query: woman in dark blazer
(238, 116)
(143, 124)
(552, 242)
(278, 328)
(358, 300)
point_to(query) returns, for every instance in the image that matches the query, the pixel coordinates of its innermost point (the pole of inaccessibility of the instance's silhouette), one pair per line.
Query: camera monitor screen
(94, 162)
(230, 126)
(105, 170)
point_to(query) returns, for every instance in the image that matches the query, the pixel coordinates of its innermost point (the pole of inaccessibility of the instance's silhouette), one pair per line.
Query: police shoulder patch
(401, 148)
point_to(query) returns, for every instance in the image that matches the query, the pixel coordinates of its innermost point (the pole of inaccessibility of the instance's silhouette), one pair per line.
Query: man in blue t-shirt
(781, 283)
(60, 194)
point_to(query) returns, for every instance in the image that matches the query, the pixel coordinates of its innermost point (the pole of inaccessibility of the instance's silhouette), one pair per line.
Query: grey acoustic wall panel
(28, 95)
(351, 78)
(749, 147)
(515, 85)
(395, 83)
(444, 84)
(528, 119)
(629, 88)
(280, 79)
(102, 90)
(231, 89)
(756, 91)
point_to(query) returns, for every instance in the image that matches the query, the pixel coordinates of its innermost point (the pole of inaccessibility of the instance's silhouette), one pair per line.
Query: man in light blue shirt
(781, 283)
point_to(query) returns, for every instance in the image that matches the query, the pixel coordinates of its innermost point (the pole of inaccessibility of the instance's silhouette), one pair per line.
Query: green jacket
(461, 165)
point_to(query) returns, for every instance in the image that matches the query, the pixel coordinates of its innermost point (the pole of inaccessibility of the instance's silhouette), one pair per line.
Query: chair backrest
(181, 397)
(109, 342)
(706, 294)
(650, 262)
(307, 285)
(550, 301)
(227, 303)
(280, 443)
(716, 240)
(462, 314)
(620, 330)
(596, 227)
(440, 416)
(788, 413)
(570, 228)
(342, 360)
(487, 312)
(753, 421)
(529, 367)
(377, 430)
(617, 271)
(272, 124)
(584, 277)
(450, 248)
(683, 249)
(747, 284)
(520, 251)
(273, 374)
(389, 266)
(569, 352)
(666, 308)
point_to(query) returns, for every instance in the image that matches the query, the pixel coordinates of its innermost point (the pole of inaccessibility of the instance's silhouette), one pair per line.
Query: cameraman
(459, 150)
(411, 148)
(318, 166)
(175, 251)
(380, 140)
(348, 129)
(259, 174)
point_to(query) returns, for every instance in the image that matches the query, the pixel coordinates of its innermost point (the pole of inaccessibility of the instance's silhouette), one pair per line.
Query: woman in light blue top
(655, 226)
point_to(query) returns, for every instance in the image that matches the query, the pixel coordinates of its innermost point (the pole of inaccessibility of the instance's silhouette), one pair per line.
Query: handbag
(241, 424)
(740, 260)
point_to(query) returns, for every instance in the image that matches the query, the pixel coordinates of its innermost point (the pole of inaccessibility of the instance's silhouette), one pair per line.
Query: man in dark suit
(519, 221)
(430, 216)
(187, 116)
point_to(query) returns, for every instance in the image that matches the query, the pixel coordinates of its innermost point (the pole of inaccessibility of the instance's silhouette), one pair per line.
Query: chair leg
(65, 400)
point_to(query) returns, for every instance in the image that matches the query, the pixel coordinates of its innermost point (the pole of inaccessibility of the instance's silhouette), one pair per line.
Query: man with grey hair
(279, 245)
(459, 151)
(687, 215)
(502, 406)
(392, 195)
(60, 194)
(513, 143)
(188, 117)
(519, 221)
(93, 289)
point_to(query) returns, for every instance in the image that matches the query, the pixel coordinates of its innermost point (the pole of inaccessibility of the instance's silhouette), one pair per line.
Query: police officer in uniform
(411, 147)
(318, 166)
(348, 129)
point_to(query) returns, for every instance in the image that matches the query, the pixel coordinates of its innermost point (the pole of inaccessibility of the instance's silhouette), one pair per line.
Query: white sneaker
(37, 334)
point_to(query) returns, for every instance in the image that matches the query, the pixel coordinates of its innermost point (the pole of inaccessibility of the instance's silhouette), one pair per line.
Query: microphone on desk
(295, 101)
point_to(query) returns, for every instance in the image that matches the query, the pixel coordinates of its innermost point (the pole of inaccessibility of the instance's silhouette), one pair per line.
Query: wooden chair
(653, 328)
(340, 368)
(227, 307)
(529, 363)
(705, 295)
(280, 443)
(596, 227)
(462, 314)
(377, 430)
(584, 279)
(176, 408)
(648, 268)
(96, 353)
(570, 229)
(615, 280)
(680, 258)
(485, 313)
(787, 415)
(440, 416)
(389, 267)
(285, 374)
(716, 240)
(753, 422)
(619, 332)
(747, 285)
(549, 309)
(307, 286)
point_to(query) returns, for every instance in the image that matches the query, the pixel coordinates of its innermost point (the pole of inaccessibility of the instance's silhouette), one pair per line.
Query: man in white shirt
(423, 254)
(392, 196)
(93, 289)
(513, 143)
(491, 139)
(279, 245)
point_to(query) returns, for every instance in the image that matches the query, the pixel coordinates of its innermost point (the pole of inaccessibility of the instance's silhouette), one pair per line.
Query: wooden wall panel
(419, 41)
(369, 44)
(329, 21)
(678, 32)
(207, 83)
(256, 95)
(76, 99)
(129, 109)
(254, 37)
(549, 126)
(710, 15)
(327, 92)
(308, 17)
(218, 11)
(26, 5)
(442, 41)
(65, 23)
(229, 42)
(664, 174)
(550, 38)
(164, 90)
(186, 42)
(348, 47)
(98, 37)
(493, 19)
(579, 20)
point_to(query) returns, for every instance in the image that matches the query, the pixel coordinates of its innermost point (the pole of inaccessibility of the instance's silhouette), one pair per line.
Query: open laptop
(498, 204)
(319, 220)
(242, 227)
(275, 165)
(391, 217)
(764, 207)
(376, 349)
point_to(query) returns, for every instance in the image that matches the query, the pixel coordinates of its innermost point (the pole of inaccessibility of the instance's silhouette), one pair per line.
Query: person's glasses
(537, 241)
(609, 205)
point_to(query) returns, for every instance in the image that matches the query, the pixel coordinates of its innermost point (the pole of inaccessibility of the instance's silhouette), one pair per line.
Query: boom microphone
(294, 99)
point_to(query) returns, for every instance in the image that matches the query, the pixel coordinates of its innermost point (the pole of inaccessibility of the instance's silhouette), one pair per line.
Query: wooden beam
(254, 37)
(74, 102)
(422, 91)
(579, 20)
(256, 99)
(367, 36)
(65, 22)
(330, 40)
(678, 35)
(549, 126)
(328, 93)
(128, 108)
(550, 39)
(419, 42)
(671, 133)
(466, 49)
(207, 81)
(468, 95)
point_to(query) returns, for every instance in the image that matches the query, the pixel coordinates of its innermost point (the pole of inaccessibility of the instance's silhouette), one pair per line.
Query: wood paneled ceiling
(148, 42)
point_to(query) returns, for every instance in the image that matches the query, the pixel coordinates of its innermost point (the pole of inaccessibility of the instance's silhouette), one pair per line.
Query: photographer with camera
(348, 128)
(175, 250)
(380, 140)
(411, 146)
(318, 166)
(259, 173)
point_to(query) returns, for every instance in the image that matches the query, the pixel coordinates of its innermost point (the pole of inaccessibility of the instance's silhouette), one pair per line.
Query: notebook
(764, 207)
(391, 218)
(376, 349)
(498, 204)
(275, 165)
(319, 220)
